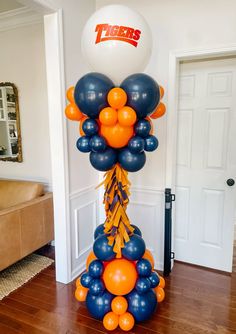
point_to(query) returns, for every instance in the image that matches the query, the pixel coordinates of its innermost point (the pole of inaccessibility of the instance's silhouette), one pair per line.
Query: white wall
(75, 15)
(22, 62)
(175, 25)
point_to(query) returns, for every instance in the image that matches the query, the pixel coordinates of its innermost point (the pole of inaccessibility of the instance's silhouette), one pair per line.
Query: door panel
(206, 158)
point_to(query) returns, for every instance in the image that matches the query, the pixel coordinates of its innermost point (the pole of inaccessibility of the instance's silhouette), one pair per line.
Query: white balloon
(116, 41)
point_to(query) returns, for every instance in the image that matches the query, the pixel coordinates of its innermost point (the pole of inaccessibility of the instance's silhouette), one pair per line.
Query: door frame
(54, 55)
(175, 57)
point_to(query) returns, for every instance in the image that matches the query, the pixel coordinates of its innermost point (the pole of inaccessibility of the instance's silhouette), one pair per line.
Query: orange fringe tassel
(116, 199)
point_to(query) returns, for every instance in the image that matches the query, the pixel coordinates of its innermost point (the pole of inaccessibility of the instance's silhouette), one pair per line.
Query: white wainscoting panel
(84, 208)
(146, 210)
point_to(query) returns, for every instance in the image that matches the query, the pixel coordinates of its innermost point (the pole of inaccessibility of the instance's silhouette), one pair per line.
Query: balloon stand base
(120, 291)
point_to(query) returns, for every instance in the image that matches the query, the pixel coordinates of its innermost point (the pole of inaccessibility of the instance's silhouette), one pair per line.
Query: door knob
(230, 182)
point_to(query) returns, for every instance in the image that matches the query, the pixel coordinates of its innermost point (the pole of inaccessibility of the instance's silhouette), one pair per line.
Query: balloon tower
(115, 106)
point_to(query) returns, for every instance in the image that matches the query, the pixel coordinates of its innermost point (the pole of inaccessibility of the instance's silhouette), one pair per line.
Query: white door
(206, 159)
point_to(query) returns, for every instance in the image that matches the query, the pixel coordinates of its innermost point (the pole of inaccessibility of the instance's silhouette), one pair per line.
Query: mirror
(10, 135)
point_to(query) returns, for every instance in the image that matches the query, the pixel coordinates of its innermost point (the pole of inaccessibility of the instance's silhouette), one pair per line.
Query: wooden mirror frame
(19, 157)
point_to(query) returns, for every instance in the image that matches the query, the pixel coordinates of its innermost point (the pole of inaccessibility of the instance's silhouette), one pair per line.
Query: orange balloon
(162, 283)
(160, 293)
(90, 258)
(117, 98)
(70, 94)
(78, 283)
(126, 322)
(110, 321)
(162, 92)
(120, 277)
(160, 111)
(108, 116)
(81, 131)
(73, 113)
(127, 116)
(148, 255)
(119, 305)
(117, 136)
(81, 293)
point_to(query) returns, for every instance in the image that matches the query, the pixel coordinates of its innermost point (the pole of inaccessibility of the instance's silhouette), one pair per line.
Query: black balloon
(143, 285)
(99, 231)
(83, 144)
(142, 306)
(134, 249)
(96, 268)
(136, 230)
(85, 279)
(143, 93)
(103, 161)
(99, 305)
(102, 250)
(97, 143)
(91, 93)
(136, 144)
(144, 268)
(142, 128)
(132, 162)
(96, 287)
(90, 127)
(151, 143)
(154, 279)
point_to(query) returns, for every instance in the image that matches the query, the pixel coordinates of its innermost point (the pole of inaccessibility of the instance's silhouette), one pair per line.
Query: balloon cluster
(114, 121)
(120, 291)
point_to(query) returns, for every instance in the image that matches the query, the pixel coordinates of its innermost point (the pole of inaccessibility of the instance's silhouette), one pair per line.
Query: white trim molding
(19, 18)
(58, 143)
(146, 210)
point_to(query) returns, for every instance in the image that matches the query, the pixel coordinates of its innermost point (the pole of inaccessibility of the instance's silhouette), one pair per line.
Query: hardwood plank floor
(198, 301)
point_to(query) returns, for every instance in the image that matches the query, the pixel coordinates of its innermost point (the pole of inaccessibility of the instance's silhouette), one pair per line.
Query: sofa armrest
(25, 204)
(25, 228)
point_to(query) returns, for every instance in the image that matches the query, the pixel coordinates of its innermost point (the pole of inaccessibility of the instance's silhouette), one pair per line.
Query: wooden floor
(197, 301)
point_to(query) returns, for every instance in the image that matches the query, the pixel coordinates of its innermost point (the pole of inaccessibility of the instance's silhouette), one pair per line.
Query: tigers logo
(106, 32)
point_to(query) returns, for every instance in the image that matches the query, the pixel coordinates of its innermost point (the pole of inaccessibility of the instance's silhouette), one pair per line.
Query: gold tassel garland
(116, 199)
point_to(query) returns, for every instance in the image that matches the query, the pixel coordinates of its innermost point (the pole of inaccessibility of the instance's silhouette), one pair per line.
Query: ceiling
(8, 5)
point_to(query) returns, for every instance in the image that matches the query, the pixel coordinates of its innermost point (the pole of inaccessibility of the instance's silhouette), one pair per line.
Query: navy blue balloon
(134, 248)
(97, 143)
(142, 306)
(91, 93)
(142, 128)
(143, 285)
(83, 144)
(151, 143)
(136, 144)
(90, 127)
(102, 250)
(144, 268)
(103, 161)
(99, 231)
(85, 280)
(96, 287)
(132, 162)
(95, 269)
(136, 230)
(154, 279)
(99, 305)
(143, 93)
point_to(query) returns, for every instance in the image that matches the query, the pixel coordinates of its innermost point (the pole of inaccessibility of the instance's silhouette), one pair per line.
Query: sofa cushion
(16, 192)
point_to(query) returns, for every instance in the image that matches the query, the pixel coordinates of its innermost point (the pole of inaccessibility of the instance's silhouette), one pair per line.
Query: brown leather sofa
(26, 219)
